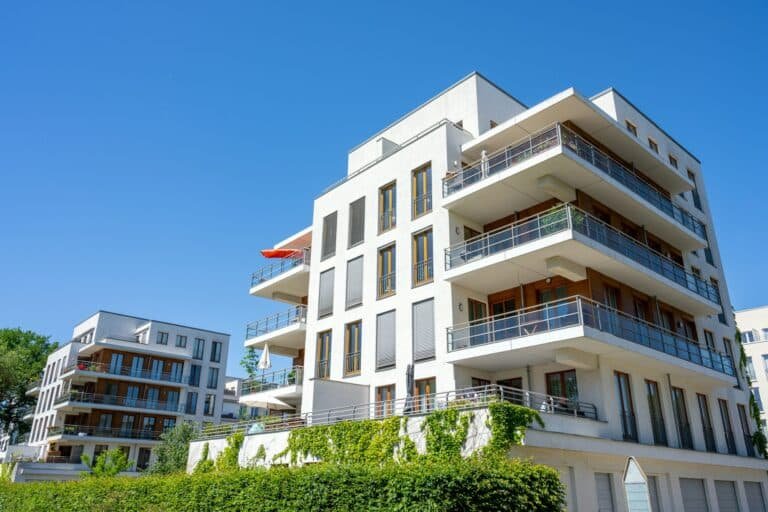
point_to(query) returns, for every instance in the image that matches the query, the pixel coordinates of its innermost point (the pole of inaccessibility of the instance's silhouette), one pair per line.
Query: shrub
(473, 485)
(172, 452)
(107, 464)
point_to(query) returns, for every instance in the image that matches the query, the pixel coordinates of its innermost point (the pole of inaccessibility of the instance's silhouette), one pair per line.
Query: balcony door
(116, 363)
(563, 389)
(137, 366)
(478, 327)
(505, 323)
(131, 396)
(153, 395)
(157, 369)
(626, 407)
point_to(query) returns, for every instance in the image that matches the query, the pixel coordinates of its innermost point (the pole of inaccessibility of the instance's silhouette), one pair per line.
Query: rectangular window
(99, 449)
(352, 348)
(148, 423)
(213, 378)
(199, 349)
(725, 417)
(652, 144)
(422, 191)
(116, 363)
(126, 425)
(657, 415)
(745, 430)
(706, 423)
(423, 392)
(631, 128)
(210, 405)
(325, 302)
(162, 338)
(563, 385)
(626, 407)
(156, 369)
(137, 367)
(748, 337)
(725, 490)
(385, 401)
(355, 282)
(694, 495)
(755, 497)
(758, 400)
(750, 369)
(216, 352)
(673, 161)
(681, 418)
(357, 222)
(105, 421)
(709, 338)
(323, 355)
(708, 256)
(604, 489)
(328, 247)
(423, 320)
(168, 424)
(176, 371)
(387, 207)
(385, 340)
(386, 271)
(191, 406)
(422, 257)
(695, 191)
(181, 341)
(194, 374)
(653, 493)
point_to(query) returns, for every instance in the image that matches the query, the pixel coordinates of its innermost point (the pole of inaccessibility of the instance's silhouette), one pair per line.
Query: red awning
(281, 253)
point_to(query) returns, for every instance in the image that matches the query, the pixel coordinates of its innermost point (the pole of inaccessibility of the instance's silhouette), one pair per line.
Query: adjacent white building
(566, 249)
(753, 324)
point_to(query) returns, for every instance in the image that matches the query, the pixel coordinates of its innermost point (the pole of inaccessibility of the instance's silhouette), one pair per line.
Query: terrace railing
(294, 315)
(273, 380)
(122, 401)
(96, 431)
(125, 371)
(281, 266)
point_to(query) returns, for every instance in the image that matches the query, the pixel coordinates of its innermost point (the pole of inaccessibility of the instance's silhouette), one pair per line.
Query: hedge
(466, 485)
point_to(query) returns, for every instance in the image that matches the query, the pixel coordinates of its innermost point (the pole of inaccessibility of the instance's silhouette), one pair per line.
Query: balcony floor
(290, 286)
(286, 341)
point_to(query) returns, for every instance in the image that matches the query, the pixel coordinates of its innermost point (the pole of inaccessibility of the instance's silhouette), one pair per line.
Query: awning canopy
(281, 253)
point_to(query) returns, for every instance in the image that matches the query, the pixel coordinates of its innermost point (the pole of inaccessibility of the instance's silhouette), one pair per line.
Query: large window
(210, 405)
(387, 207)
(681, 418)
(695, 191)
(213, 378)
(423, 320)
(750, 369)
(626, 407)
(424, 390)
(422, 191)
(563, 385)
(604, 490)
(706, 423)
(216, 352)
(191, 405)
(725, 417)
(181, 341)
(385, 400)
(745, 430)
(323, 355)
(352, 347)
(325, 302)
(422, 257)
(385, 340)
(657, 415)
(199, 349)
(355, 282)
(694, 495)
(194, 374)
(328, 247)
(162, 338)
(357, 222)
(386, 272)
(758, 399)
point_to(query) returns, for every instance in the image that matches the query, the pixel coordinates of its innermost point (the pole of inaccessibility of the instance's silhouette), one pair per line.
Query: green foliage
(508, 423)
(108, 464)
(759, 439)
(171, 454)
(434, 485)
(228, 458)
(250, 362)
(445, 432)
(204, 465)
(261, 453)
(6, 470)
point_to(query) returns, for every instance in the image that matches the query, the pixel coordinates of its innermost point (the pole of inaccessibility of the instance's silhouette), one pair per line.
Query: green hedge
(467, 485)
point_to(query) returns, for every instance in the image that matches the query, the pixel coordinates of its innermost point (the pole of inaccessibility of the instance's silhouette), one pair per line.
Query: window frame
(387, 192)
(353, 328)
(422, 175)
(428, 264)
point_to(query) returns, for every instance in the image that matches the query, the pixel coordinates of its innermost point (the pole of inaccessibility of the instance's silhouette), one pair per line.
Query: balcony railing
(387, 284)
(352, 363)
(423, 271)
(273, 380)
(96, 431)
(387, 220)
(323, 369)
(559, 135)
(581, 311)
(125, 371)
(463, 399)
(122, 401)
(281, 266)
(568, 217)
(421, 205)
(294, 315)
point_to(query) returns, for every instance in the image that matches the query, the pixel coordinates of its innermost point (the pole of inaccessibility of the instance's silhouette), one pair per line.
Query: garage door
(694, 495)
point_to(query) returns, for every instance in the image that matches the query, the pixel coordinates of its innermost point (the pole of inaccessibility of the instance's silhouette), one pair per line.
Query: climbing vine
(508, 423)
(228, 458)
(445, 432)
(759, 439)
(204, 465)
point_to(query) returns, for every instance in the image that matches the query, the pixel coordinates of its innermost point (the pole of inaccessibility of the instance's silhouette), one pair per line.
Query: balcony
(536, 334)
(81, 400)
(34, 387)
(279, 389)
(87, 431)
(557, 154)
(566, 240)
(286, 280)
(285, 332)
(90, 371)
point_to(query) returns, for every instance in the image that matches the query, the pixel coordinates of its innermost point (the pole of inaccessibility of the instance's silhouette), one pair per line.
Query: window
(725, 490)
(750, 369)
(323, 355)
(423, 320)
(386, 271)
(162, 338)
(695, 191)
(357, 222)
(156, 370)
(423, 392)
(352, 341)
(355, 282)
(131, 396)
(626, 407)
(99, 449)
(748, 337)
(181, 341)
(213, 378)
(631, 128)
(604, 489)
(653, 493)
(210, 405)
(758, 400)
(657, 415)
(673, 161)
(194, 374)
(385, 400)
(422, 257)
(176, 371)
(387, 207)
(479, 383)
(148, 423)
(708, 256)
(681, 418)
(563, 385)
(652, 144)
(116, 363)
(216, 352)
(168, 424)
(105, 421)
(142, 460)
(199, 349)
(725, 416)
(385, 340)
(709, 338)
(191, 406)
(126, 425)
(328, 247)
(422, 191)
(325, 302)
(706, 423)
(137, 366)
(694, 495)
(755, 498)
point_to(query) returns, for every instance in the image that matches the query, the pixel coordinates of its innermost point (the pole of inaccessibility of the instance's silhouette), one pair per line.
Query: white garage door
(726, 496)
(694, 495)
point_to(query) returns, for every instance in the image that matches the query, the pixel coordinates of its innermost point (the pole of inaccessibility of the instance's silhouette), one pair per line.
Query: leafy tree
(171, 453)
(22, 358)
(107, 464)
(250, 361)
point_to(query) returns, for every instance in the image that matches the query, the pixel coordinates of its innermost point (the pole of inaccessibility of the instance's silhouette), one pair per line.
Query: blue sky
(148, 150)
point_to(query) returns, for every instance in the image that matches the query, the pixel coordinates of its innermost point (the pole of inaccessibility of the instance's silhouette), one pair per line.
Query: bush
(473, 485)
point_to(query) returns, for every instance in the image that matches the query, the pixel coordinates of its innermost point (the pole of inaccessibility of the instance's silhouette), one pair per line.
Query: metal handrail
(352, 363)
(568, 217)
(294, 315)
(387, 284)
(123, 371)
(323, 369)
(122, 401)
(272, 270)
(273, 380)
(581, 311)
(423, 271)
(96, 431)
(387, 220)
(461, 399)
(422, 203)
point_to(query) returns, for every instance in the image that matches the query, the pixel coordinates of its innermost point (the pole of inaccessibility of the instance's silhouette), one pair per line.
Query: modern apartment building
(564, 249)
(232, 409)
(119, 383)
(753, 324)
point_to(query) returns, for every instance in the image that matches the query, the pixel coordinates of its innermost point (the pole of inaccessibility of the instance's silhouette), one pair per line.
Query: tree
(108, 463)
(250, 362)
(22, 357)
(171, 454)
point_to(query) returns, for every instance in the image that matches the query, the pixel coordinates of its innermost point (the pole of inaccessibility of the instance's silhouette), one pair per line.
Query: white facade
(753, 324)
(576, 237)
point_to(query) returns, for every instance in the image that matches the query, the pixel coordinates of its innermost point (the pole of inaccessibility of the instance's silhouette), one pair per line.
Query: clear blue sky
(148, 150)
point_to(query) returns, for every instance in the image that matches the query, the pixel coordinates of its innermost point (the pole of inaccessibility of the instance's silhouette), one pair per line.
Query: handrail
(272, 270)
(461, 399)
(295, 314)
(123, 371)
(273, 380)
(569, 217)
(122, 401)
(387, 284)
(96, 431)
(581, 311)
(352, 363)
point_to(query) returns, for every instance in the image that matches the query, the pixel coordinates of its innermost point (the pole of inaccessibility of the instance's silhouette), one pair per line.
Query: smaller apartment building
(753, 324)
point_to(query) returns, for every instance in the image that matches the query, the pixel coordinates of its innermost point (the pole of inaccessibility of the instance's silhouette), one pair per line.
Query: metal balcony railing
(387, 284)
(421, 205)
(294, 315)
(96, 431)
(273, 380)
(581, 311)
(323, 369)
(352, 363)
(423, 272)
(122, 401)
(559, 135)
(462, 399)
(568, 217)
(387, 220)
(125, 371)
(281, 266)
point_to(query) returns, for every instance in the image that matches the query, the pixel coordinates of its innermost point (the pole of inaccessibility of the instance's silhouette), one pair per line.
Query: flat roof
(152, 320)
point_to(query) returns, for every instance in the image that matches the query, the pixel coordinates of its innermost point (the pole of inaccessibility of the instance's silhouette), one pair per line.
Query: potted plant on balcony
(93, 366)
(81, 365)
(291, 378)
